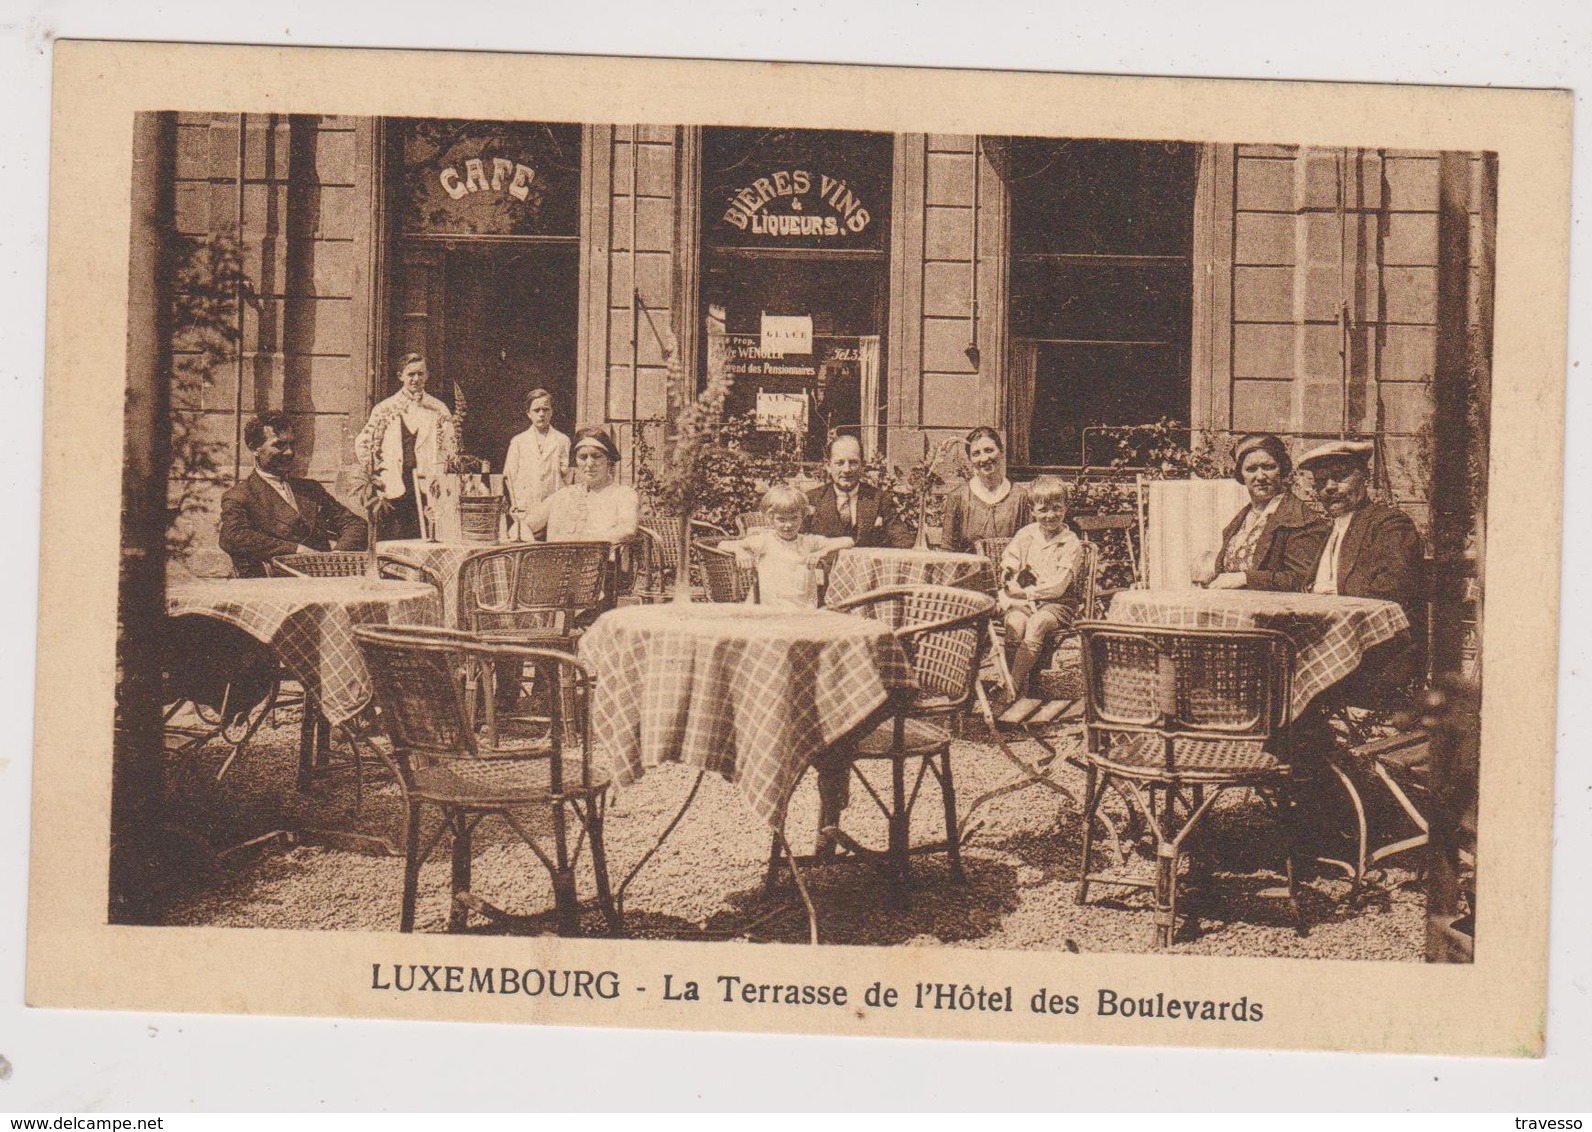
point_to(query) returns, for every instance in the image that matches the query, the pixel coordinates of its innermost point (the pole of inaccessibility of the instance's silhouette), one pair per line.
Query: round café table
(309, 624)
(861, 569)
(751, 693)
(1330, 634)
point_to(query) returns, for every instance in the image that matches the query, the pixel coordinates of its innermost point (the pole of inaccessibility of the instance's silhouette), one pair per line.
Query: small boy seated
(787, 560)
(1039, 569)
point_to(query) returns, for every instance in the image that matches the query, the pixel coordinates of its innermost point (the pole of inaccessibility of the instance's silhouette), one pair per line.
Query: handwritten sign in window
(786, 334)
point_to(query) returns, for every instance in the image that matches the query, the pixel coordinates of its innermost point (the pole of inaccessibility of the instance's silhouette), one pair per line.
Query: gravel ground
(1022, 868)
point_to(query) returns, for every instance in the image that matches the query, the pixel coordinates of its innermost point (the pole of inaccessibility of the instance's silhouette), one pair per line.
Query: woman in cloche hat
(1274, 543)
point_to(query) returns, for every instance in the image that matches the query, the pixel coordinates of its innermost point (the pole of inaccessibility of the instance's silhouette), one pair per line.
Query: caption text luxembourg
(736, 990)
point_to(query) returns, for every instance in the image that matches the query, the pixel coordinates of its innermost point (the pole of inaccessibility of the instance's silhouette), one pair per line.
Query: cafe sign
(796, 203)
(489, 175)
(489, 178)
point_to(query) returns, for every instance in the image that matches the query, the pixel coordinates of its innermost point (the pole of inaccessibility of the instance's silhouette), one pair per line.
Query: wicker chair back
(943, 629)
(1228, 682)
(726, 579)
(332, 564)
(531, 584)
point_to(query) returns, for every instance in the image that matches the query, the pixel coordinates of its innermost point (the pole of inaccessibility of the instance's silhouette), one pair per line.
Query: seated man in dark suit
(849, 507)
(1375, 551)
(271, 512)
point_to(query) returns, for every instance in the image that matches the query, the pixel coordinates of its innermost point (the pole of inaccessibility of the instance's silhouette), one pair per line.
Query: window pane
(794, 225)
(1078, 387)
(1101, 197)
(1101, 284)
(1094, 301)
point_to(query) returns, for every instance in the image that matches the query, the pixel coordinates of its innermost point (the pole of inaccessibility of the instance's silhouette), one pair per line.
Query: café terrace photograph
(685, 532)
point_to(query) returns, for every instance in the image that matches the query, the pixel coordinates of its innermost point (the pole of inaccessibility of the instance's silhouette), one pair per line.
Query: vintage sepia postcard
(800, 548)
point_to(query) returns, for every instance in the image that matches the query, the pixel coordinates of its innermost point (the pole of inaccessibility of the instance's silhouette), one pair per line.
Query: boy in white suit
(537, 464)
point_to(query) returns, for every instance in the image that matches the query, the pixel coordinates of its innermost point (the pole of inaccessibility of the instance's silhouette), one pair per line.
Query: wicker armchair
(1173, 718)
(659, 551)
(726, 579)
(943, 631)
(535, 593)
(441, 760)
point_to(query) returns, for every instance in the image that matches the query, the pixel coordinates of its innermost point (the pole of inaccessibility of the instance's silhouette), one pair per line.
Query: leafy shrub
(210, 283)
(733, 469)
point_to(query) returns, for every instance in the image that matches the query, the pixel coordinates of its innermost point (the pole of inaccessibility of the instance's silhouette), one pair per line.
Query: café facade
(900, 285)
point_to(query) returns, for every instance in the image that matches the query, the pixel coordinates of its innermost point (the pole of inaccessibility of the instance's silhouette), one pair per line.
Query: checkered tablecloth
(859, 569)
(309, 624)
(443, 559)
(1330, 634)
(754, 694)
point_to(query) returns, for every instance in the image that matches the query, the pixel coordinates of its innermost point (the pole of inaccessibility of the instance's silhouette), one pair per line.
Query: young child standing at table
(1039, 568)
(787, 560)
(536, 462)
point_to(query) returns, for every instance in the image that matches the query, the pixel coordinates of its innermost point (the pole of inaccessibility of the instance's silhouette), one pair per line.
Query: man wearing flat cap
(1372, 551)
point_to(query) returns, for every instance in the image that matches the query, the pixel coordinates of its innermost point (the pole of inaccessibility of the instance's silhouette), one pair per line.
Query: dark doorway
(510, 328)
(488, 283)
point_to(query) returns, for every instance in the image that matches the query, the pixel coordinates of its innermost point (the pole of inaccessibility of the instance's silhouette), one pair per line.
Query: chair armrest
(403, 570)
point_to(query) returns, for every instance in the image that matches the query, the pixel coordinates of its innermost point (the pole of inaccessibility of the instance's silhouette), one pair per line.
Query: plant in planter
(1169, 449)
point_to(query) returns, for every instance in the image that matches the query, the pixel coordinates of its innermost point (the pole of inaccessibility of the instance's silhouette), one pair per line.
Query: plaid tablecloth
(443, 559)
(859, 569)
(1330, 634)
(754, 694)
(309, 624)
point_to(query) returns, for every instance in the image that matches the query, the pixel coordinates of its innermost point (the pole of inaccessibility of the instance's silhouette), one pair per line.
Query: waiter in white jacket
(408, 432)
(537, 464)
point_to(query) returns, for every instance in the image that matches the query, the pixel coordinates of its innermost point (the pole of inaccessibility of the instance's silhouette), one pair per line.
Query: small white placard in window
(781, 412)
(787, 334)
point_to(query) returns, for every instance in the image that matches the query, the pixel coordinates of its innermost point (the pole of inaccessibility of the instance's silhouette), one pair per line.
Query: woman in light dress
(596, 506)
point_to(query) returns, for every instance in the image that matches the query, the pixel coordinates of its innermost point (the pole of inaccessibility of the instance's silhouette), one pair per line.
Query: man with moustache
(847, 507)
(1372, 551)
(271, 512)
